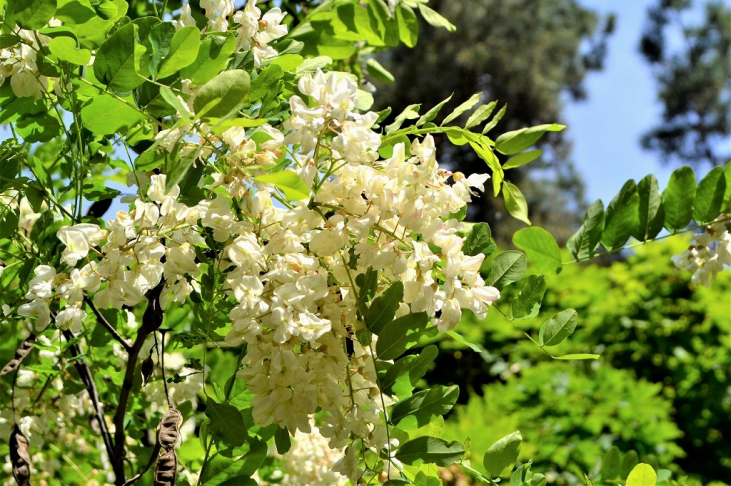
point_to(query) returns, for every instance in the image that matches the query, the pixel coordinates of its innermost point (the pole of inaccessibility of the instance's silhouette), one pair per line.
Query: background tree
(691, 60)
(529, 56)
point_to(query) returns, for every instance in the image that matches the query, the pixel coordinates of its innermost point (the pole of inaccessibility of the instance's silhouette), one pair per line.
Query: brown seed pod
(19, 457)
(166, 470)
(20, 354)
(169, 429)
(147, 368)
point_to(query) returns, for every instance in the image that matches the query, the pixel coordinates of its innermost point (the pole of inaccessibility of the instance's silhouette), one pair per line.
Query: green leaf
(528, 301)
(630, 459)
(622, 217)
(502, 454)
(508, 267)
(282, 440)
(522, 159)
(290, 183)
(480, 115)
(38, 128)
(582, 244)
(709, 197)
(170, 97)
(106, 10)
(408, 25)
(378, 72)
(406, 372)
(227, 422)
(183, 51)
(434, 18)
(461, 340)
(418, 409)
(555, 330)
(409, 113)
(467, 105)
(495, 120)
(65, 49)
(31, 14)
(540, 247)
(384, 307)
(432, 114)
(222, 95)
(212, 58)
(267, 81)
(521, 475)
(652, 214)
(479, 241)
(90, 28)
(515, 202)
(8, 40)
(430, 450)
(514, 142)
(98, 190)
(117, 61)
(8, 222)
(179, 170)
(493, 163)
(227, 471)
(106, 115)
(677, 199)
(577, 356)
(367, 284)
(642, 475)
(727, 193)
(400, 335)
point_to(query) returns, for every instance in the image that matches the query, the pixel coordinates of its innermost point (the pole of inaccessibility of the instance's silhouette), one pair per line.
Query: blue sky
(621, 106)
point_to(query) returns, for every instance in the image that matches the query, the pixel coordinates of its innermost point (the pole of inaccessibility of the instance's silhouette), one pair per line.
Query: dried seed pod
(19, 457)
(20, 354)
(147, 368)
(166, 470)
(152, 318)
(169, 429)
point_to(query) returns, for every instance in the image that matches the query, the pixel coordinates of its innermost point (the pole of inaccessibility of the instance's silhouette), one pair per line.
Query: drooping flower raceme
(288, 267)
(707, 254)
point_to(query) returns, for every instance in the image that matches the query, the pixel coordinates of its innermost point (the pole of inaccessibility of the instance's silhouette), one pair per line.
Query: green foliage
(657, 387)
(639, 211)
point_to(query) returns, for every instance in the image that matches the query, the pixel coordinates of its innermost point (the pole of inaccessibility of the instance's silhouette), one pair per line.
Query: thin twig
(85, 374)
(103, 321)
(150, 462)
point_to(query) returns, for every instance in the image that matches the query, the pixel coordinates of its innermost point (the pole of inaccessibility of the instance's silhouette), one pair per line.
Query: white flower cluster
(18, 63)
(309, 462)
(708, 252)
(289, 268)
(256, 32)
(153, 241)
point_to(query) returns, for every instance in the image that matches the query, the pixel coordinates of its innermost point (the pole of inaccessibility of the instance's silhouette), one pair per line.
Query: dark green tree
(529, 55)
(688, 45)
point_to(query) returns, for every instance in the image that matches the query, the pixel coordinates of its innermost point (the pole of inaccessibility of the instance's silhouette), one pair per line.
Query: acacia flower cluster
(289, 267)
(707, 254)
(19, 63)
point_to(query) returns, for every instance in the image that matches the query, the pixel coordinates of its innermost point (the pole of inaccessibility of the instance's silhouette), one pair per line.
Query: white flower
(37, 308)
(186, 18)
(25, 84)
(78, 240)
(71, 317)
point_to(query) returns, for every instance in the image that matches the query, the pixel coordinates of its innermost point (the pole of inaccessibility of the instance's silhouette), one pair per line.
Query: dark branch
(151, 321)
(85, 374)
(103, 321)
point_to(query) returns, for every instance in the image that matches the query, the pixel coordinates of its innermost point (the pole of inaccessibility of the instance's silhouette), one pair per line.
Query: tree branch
(153, 457)
(85, 374)
(103, 321)
(151, 321)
